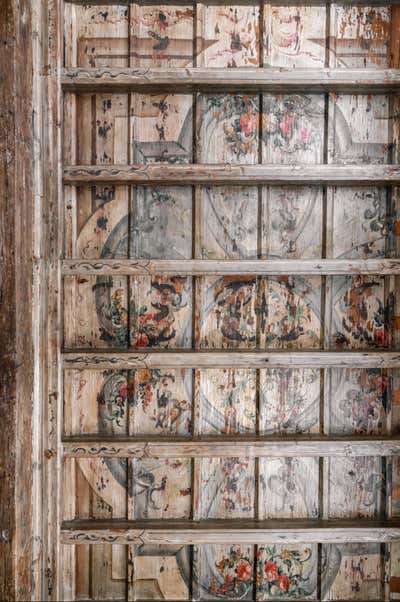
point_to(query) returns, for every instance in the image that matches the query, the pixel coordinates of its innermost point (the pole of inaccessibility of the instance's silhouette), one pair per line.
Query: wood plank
(204, 173)
(261, 79)
(220, 447)
(230, 359)
(197, 267)
(225, 531)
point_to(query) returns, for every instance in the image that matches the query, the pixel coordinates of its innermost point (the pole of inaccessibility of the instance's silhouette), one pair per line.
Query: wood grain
(223, 531)
(234, 174)
(242, 446)
(250, 78)
(197, 267)
(230, 359)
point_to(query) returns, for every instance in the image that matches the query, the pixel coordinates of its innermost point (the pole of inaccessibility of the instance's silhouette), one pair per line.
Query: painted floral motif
(289, 400)
(228, 401)
(161, 223)
(228, 488)
(291, 126)
(355, 486)
(156, 394)
(154, 321)
(236, 574)
(360, 314)
(239, 115)
(115, 396)
(359, 401)
(284, 572)
(119, 318)
(289, 311)
(230, 36)
(231, 312)
(162, 487)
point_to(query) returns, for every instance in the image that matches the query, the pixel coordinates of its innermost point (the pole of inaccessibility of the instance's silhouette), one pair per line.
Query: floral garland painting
(163, 401)
(155, 312)
(235, 574)
(113, 399)
(359, 313)
(290, 312)
(286, 572)
(229, 316)
(229, 126)
(293, 127)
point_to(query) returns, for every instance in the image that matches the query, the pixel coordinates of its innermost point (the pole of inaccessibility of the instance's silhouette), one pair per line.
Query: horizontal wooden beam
(249, 79)
(220, 447)
(198, 267)
(229, 2)
(184, 174)
(125, 360)
(185, 532)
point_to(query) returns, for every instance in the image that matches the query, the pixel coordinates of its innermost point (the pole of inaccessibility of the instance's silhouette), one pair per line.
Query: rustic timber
(19, 276)
(240, 531)
(240, 446)
(197, 267)
(100, 360)
(184, 174)
(249, 79)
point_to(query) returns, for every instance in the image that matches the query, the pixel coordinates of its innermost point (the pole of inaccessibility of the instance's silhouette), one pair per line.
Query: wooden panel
(161, 128)
(161, 488)
(294, 36)
(225, 571)
(293, 128)
(161, 35)
(287, 570)
(96, 36)
(289, 401)
(359, 35)
(353, 571)
(229, 35)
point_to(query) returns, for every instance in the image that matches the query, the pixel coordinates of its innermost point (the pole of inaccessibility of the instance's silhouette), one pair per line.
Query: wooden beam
(198, 267)
(125, 360)
(184, 174)
(249, 79)
(185, 532)
(229, 2)
(221, 447)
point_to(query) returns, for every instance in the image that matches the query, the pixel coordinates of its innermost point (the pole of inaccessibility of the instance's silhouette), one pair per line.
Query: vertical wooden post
(18, 267)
